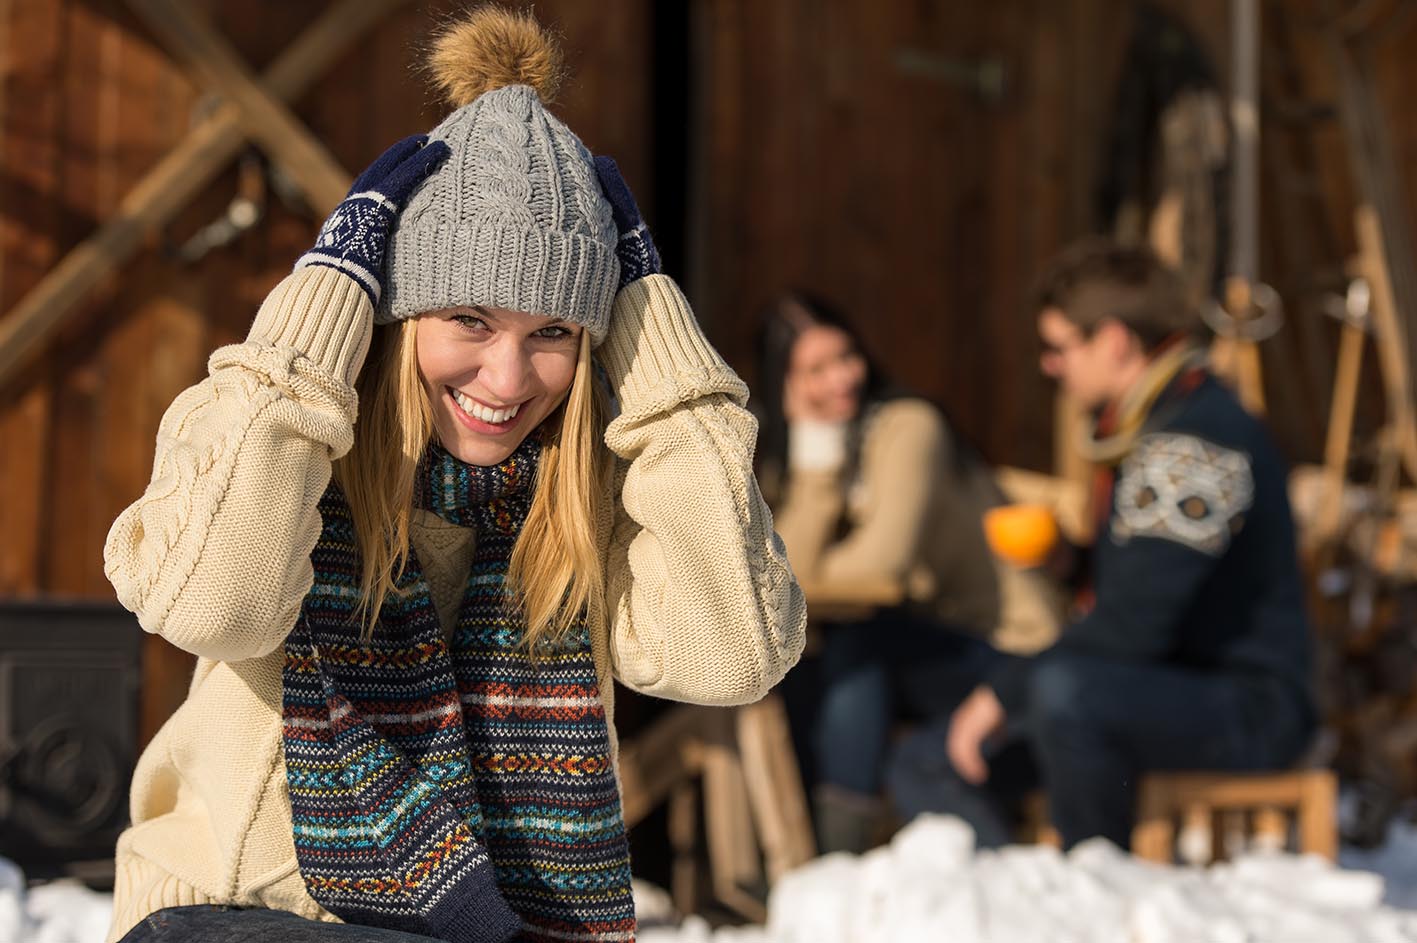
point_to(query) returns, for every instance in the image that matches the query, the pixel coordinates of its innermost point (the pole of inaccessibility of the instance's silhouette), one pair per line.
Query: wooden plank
(1195, 845)
(774, 786)
(728, 823)
(261, 115)
(1232, 790)
(1154, 834)
(1271, 829)
(72, 558)
(1340, 431)
(1391, 336)
(1038, 826)
(31, 146)
(661, 758)
(24, 428)
(840, 599)
(187, 170)
(683, 830)
(1318, 827)
(609, 50)
(182, 173)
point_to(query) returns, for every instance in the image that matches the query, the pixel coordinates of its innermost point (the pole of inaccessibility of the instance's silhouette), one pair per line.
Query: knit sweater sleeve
(703, 606)
(903, 462)
(215, 555)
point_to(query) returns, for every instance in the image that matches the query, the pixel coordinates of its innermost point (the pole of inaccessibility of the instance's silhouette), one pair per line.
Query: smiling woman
(492, 375)
(409, 626)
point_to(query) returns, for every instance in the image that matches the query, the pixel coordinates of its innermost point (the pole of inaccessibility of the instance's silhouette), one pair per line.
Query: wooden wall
(824, 161)
(772, 144)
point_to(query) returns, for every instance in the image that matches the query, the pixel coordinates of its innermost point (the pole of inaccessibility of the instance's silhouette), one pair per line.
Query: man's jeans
(206, 923)
(1092, 727)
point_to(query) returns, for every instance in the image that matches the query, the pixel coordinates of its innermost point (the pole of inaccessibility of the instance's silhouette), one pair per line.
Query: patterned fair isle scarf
(464, 794)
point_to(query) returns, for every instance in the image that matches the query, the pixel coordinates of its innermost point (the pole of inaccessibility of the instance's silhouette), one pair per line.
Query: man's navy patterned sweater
(1196, 564)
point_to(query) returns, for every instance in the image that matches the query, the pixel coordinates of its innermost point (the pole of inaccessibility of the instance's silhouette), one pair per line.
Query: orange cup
(1021, 534)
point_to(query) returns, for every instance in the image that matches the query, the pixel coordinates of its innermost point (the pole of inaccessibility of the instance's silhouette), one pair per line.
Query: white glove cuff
(813, 445)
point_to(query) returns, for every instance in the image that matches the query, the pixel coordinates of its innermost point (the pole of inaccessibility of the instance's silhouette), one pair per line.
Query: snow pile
(929, 884)
(61, 912)
(1395, 859)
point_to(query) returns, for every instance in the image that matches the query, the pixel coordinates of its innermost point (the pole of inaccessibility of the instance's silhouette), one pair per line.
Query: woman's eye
(470, 322)
(555, 332)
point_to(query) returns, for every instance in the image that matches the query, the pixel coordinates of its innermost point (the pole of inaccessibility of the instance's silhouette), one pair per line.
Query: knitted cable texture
(463, 792)
(514, 219)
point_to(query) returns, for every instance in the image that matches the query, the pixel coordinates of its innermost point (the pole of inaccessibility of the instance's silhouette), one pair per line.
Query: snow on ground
(61, 912)
(1395, 859)
(929, 884)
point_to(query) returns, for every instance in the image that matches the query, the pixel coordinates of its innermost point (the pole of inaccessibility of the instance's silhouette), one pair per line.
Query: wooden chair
(1218, 811)
(1200, 817)
(739, 764)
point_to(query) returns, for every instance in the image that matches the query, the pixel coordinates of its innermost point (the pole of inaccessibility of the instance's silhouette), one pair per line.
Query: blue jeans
(1092, 726)
(868, 677)
(208, 923)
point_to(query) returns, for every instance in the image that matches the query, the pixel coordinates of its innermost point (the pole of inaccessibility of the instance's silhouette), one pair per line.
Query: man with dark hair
(1194, 650)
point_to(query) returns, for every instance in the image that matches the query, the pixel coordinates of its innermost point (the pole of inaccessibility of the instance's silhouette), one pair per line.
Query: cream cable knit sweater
(214, 557)
(913, 517)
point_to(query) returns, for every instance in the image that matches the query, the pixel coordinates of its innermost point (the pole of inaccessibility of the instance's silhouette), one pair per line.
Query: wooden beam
(1343, 407)
(169, 186)
(264, 119)
(774, 782)
(663, 756)
(1390, 333)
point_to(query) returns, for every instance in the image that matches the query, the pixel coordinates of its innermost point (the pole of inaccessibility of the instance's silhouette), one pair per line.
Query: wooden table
(844, 600)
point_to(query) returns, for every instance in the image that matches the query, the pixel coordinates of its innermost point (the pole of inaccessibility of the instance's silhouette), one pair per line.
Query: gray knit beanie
(515, 218)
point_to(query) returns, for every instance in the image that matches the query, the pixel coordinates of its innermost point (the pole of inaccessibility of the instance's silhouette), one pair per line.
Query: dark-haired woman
(869, 483)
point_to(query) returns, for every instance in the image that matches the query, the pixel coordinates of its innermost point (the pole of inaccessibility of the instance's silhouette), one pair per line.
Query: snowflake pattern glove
(635, 250)
(355, 237)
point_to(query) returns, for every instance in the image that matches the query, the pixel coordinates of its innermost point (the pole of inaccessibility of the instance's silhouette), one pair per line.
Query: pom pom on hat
(516, 217)
(493, 47)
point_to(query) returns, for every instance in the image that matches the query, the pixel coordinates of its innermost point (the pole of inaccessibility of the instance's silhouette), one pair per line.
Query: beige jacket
(914, 515)
(215, 557)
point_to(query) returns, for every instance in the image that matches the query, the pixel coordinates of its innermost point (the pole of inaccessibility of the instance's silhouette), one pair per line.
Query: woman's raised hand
(355, 237)
(635, 249)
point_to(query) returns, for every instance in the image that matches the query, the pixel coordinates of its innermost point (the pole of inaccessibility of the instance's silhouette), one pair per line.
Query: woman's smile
(480, 417)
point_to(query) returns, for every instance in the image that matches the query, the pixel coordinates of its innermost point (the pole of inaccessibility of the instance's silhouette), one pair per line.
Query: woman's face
(825, 376)
(493, 375)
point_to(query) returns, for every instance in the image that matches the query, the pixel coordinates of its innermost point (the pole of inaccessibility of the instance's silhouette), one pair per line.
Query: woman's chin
(483, 451)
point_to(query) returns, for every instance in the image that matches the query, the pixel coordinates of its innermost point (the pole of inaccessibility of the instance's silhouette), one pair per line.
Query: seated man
(1194, 653)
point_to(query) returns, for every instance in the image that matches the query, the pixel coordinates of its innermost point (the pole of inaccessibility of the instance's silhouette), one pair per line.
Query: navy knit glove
(635, 249)
(355, 238)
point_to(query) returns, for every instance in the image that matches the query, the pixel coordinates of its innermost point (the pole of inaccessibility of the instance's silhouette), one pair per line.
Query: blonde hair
(555, 575)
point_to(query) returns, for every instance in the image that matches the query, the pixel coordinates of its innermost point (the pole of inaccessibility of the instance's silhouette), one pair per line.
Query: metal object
(1353, 307)
(1264, 324)
(245, 210)
(986, 78)
(69, 677)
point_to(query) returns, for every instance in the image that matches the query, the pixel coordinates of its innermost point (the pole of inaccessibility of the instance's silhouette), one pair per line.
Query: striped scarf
(463, 793)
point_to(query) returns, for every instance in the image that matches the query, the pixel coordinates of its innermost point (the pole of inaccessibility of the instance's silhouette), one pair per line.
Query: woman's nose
(842, 379)
(506, 369)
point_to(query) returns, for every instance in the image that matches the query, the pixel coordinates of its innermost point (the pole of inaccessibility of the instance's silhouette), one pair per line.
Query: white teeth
(477, 411)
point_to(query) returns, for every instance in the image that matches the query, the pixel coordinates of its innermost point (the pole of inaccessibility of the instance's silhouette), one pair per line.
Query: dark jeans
(867, 677)
(207, 923)
(1092, 727)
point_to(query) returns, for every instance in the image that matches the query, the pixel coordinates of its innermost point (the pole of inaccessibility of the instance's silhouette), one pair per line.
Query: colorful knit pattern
(465, 794)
